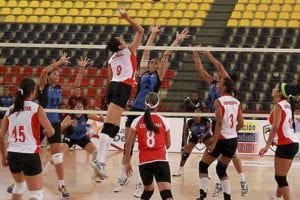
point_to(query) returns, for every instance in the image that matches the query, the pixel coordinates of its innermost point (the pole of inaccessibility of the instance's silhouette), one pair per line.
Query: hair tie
(21, 91)
(282, 89)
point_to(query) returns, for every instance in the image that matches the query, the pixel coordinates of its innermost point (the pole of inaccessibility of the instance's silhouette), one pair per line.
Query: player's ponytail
(151, 102)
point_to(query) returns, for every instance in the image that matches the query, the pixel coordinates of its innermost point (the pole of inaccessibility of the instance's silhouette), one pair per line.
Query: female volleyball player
(22, 123)
(153, 134)
(283, 125)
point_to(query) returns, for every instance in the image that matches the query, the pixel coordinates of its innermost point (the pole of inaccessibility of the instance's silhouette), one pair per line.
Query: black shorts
(287, 151)
(80, 142)
(195, 138)
(118, 93)
(226, 147)
(2, 115)
(56, 138)
(29, 163)
(130, 118)
(159, 169)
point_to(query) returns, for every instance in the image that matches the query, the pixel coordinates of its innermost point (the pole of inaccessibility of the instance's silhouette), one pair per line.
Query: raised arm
(146, 54)
(64, 59)
(138, 28)
(202, 72)
(98, 118)
(128, 144)
(164, 65)
(222, 73)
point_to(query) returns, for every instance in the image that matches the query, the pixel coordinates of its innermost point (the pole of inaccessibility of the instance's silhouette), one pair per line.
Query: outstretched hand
(183, 35)
(83, 62)
(123, 13)
(64, 59)
(154, 28)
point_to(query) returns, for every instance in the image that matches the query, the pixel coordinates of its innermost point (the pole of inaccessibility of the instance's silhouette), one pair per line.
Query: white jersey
(123, 65)
(285, 132)
(24, 129)
(230, 108)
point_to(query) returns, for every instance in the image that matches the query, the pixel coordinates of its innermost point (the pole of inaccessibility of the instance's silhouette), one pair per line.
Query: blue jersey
(199, 129)
(149, 82)
(213, 95)
(6, 101)
(79, 131)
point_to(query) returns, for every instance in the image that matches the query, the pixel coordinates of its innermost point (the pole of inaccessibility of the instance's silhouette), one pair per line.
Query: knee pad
(221, 170)
(36, 195)
(147, 194)
(203, 167)
(109, 129)
(185, 156)
(281, 181)
(19, 188)
(166, 194)
(57, 158)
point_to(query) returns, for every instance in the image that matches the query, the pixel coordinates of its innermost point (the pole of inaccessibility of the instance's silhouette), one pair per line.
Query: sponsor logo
(246, 147)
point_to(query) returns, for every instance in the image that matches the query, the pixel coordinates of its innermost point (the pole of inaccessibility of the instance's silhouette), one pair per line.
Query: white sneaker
(179, 172)
(99, 168)
(218, 190)
(139, 189)
(244, 187)
(121, 183)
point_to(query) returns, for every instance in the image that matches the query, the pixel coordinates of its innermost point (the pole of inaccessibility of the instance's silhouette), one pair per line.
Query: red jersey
(152, 146)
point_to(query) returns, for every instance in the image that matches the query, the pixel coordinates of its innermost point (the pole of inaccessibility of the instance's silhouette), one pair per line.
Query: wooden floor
(259, 173)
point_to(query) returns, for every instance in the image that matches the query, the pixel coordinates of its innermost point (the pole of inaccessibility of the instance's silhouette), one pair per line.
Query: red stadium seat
(28, 71)
(15, 70)
(66, 71)
(92, 92)
(98, 82)
(39, 71)
(3, 70)
(13, 89)
(103, 72)
(91, 71)
(85, 81)
(170, 73)
(19, 79)
(165, 84)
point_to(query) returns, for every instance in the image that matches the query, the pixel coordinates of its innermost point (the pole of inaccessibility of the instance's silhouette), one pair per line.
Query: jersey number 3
(18, 134)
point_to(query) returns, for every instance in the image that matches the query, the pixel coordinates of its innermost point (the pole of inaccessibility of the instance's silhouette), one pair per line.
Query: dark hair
(26, 87)
(230, 86)
(151, 101)
(113, 44)
(289, 92)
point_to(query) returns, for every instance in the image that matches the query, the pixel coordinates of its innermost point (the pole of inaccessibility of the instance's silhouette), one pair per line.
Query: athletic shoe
(64, 192)
(96, 178)
(99, 168)
(10, 188)
(179, 172)
(121, 183)
(139, 189)
(244, 187)
(202, 195)
(218, 190)
(274, 198)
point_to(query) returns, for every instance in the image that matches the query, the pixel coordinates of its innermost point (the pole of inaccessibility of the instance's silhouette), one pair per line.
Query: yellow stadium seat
(158, 6)
(232, 23)
(154, 13)
(73, 12)
(79, 20)
(123, 22)
(16, 11)
(2, 4)
(101, 4)
(181, 6)
(275, 7)
(196, 22)
(170, 6)
(172, 22)
(266, 1)
(147, 6)
(79, 4)
(269, 23)
(34, 4)
(5, 11)
(90, 20)
(32, 19)
(21, 19)
(244, 22)
(260, 15)
(135, 5)
(67, 4)
(286, 8)
(184, 22)
(177, 13)
(51, 11)
(39, 11)
(10, 18)
(11, 4)
(208, 1)
(56, 19)
(112, 5)
(131, 13)
(204, 6)
(44, 19)
(107, 12)
(201, 14)
(297, 8)
(281, 23)
(142, 13)
(284, 15)
(254, 1)
(23, 4)
(251, 7)
(263, 7)
(290, 1)
(247, 15)
(239, 7)
(139, 20)
(102, 20)
(85, 12)
(56, 4)
(293, 24)
(45, 4)
(96, 12)
(161, 21)
(256, 23)
(271, 15)
(198, 1)
(295, 15)
(278, 1)
(149, 21)
(113, 20)
(28, 11)
(165, 13)
(90, 4)
(62, 12)
(236, 15)
(67, 20)
(192, 6)
(189, 14)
